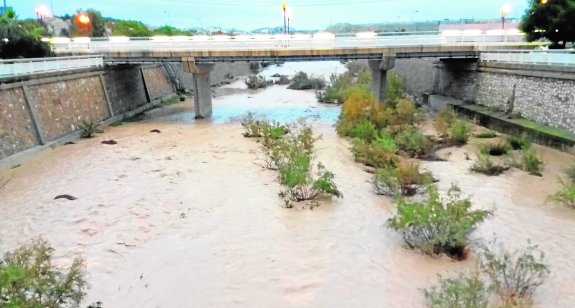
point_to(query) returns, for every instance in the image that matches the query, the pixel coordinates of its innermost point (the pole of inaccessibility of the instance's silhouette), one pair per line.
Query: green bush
(29, 279)
(467, 290)
(565, 196)
(292, 155)
(380, 153)
(412, 142)
(515, 275)
(444, 121)
(394, 91)
(338, 86)
(495, 149)
(88, 129)
(301, 81)
(403, 179)
(257, 82)
(363, 129)
(571, 173)
(437, 225)
(532, 163)
(252, 126)
(519, 142)
(459, 132)
(486, 134)
(485, 165)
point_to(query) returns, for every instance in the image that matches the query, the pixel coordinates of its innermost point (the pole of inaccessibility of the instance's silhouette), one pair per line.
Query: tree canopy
(169, 30)
(130, 28)
(553, 20)
(21, 39)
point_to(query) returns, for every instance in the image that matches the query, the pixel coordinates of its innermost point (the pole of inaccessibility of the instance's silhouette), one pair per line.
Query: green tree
(21, 39)
(169, 30)
(130, 28)
(552, 20)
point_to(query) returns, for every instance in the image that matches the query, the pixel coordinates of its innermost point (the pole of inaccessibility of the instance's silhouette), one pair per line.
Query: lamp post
(284, 6)
(289, 14)
(504, 11)
(413, 20)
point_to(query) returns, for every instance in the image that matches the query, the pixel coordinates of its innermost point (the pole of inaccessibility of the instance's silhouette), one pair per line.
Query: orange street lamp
(504, 11)
(284, 6)
(83, 19)
(543, 1)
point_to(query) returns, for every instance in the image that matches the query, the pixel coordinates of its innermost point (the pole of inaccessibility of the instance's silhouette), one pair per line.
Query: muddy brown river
(189, 218)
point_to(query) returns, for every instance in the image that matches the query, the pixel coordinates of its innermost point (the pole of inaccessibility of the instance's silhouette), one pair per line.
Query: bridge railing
(322, 40)
(541, 57)
(18, 67)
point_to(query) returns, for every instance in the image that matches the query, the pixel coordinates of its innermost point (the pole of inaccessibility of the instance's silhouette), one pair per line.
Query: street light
(504, 11)
(284, 6)
(289, 14)
(413, 20)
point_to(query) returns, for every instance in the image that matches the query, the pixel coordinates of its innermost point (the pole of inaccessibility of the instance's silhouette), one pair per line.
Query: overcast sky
(247, 15)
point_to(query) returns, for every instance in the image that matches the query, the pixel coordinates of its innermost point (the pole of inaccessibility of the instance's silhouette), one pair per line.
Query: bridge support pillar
(379, 70)
(202, 87)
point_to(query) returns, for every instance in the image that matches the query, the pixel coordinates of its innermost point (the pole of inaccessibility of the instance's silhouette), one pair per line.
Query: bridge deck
(297, 53)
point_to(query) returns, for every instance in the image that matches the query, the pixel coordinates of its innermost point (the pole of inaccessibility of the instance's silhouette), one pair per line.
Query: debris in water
(67, 197)
(69, 143)
(14, 167)
(155, 131)
(110, 142)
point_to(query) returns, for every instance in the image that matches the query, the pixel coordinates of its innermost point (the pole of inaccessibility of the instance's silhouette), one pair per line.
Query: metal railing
(264, 41)
(19, 67)
(541, 57)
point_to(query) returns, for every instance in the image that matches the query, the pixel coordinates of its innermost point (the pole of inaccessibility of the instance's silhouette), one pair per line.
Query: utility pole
(5, 7)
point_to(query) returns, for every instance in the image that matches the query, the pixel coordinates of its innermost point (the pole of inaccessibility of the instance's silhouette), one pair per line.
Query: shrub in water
(252, 126)
(412, 142)
(256, 82)
(515, 275)
(532, 163)
(359, 105)
(403, 179)
(565, 196)
(301, 81)
(459, 132)
(444, 121)
(88, 129)
(486, 134)
(495, 149)
(403, 115)
(484, 165)
(394, 91)
(29, 279)
(437, 225)
(363, 129)
(519, 142)
(378, 154)
(467, 290)
(293, 155)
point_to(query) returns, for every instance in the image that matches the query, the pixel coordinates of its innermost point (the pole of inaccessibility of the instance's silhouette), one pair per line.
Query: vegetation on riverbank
(28, 278)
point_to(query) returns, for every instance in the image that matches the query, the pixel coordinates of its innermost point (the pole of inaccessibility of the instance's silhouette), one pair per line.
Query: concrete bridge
(199, 61)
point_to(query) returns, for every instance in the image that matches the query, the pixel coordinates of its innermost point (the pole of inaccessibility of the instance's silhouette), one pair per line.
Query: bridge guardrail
(18, 67)
(542, 57)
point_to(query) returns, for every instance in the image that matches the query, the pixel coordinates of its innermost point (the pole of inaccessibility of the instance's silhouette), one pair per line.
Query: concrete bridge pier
(202, 87)
(379, 70)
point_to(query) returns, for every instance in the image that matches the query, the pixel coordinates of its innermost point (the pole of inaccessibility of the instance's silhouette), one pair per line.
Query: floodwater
(189, 218)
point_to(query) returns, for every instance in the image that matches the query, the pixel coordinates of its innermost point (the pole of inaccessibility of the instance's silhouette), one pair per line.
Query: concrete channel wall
(38, 111)
(545, 94)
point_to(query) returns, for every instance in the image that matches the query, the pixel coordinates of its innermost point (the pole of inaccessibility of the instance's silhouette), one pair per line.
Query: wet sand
(188, 217)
